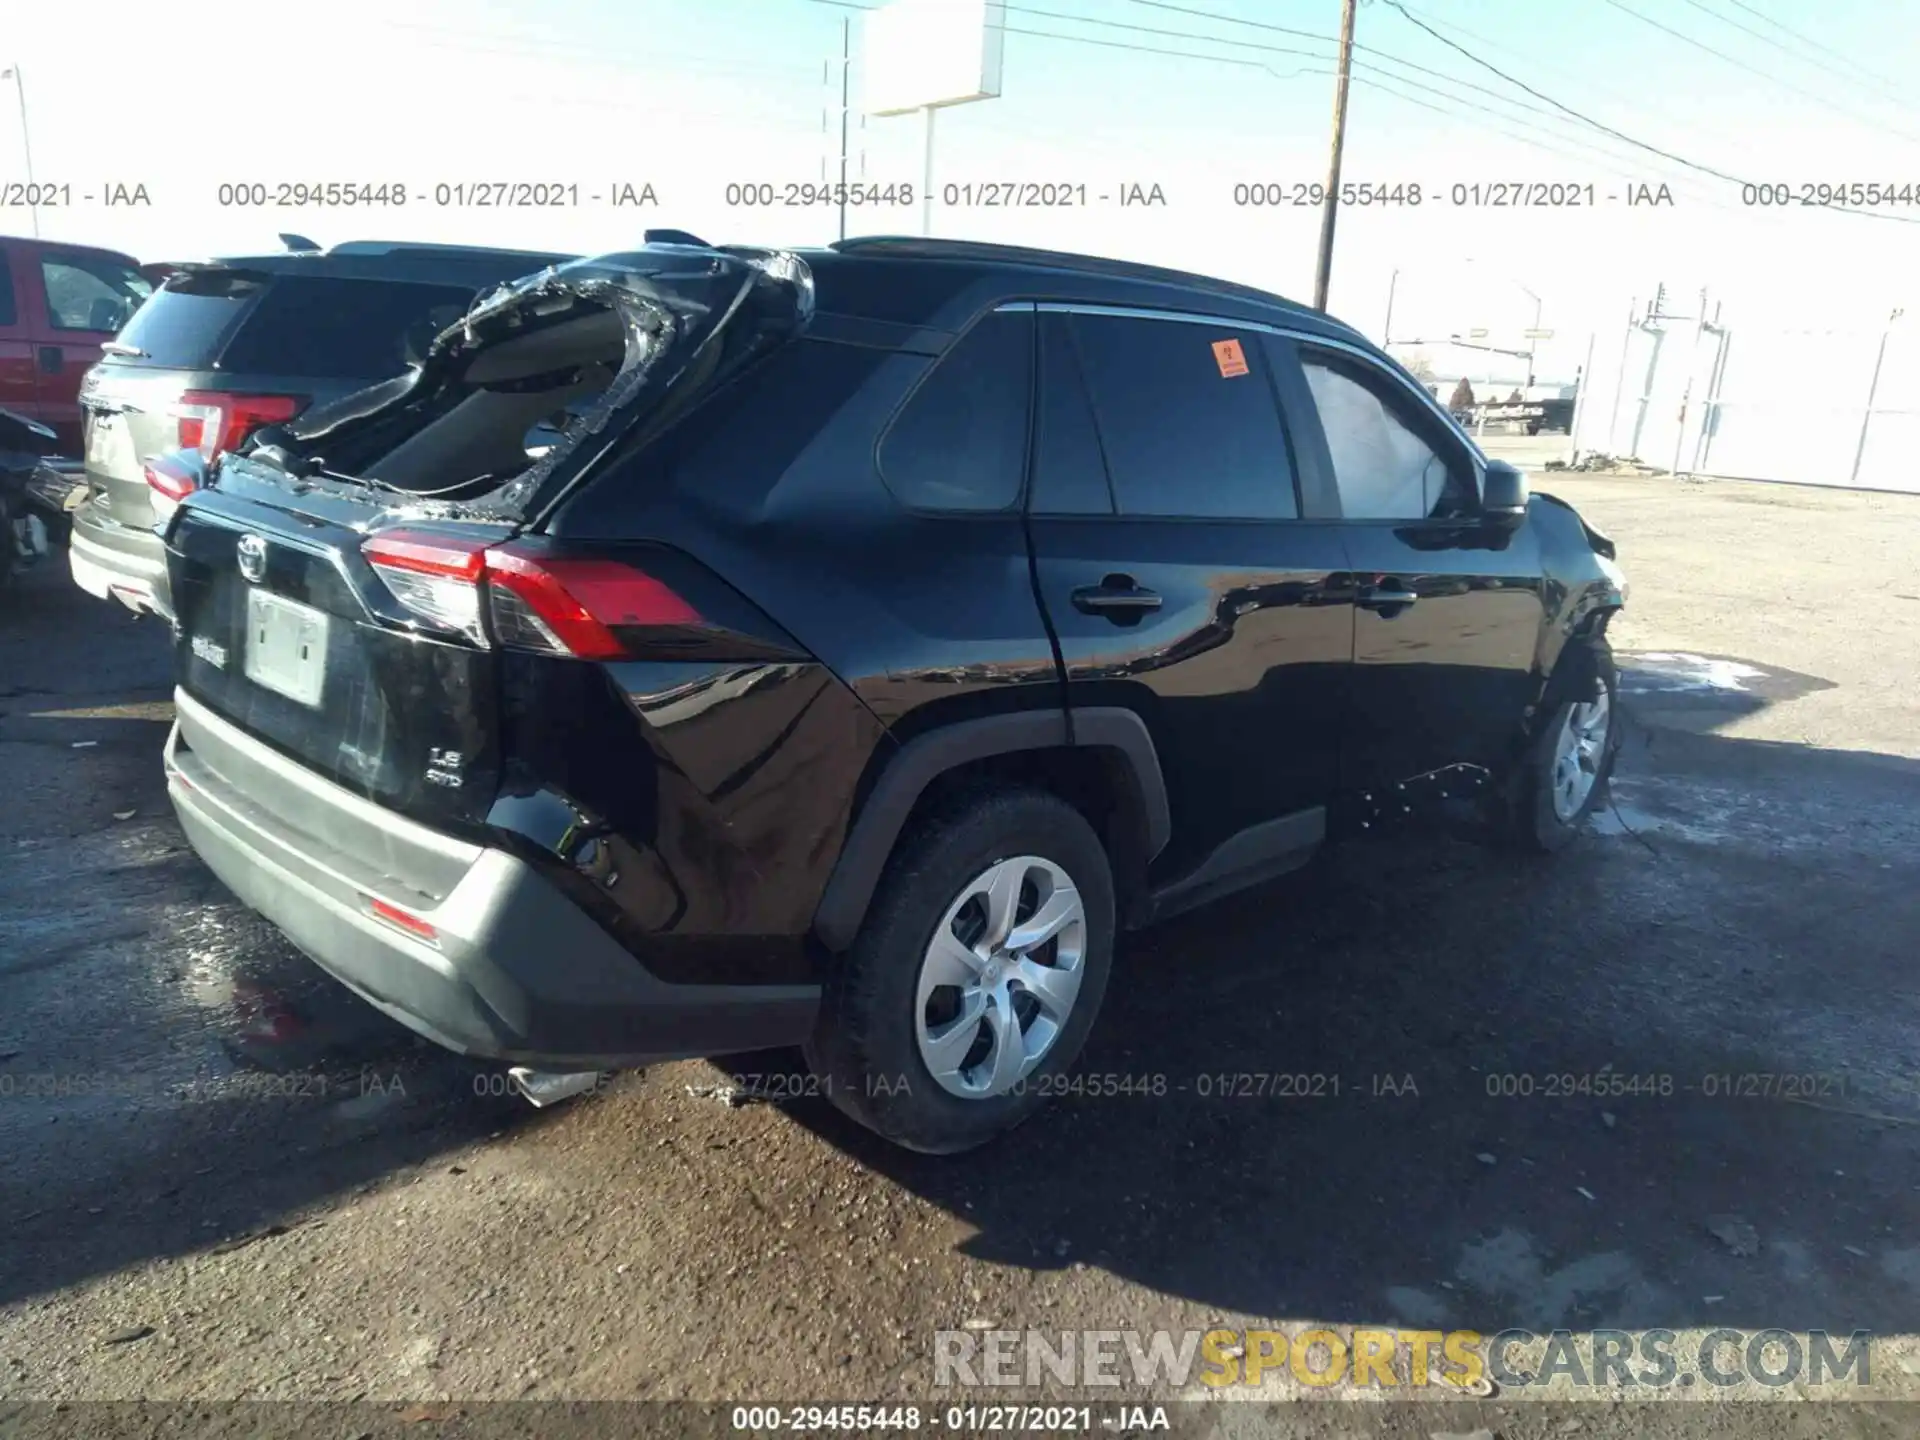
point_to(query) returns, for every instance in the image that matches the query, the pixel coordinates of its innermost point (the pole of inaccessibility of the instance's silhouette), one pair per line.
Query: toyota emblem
(252, 554)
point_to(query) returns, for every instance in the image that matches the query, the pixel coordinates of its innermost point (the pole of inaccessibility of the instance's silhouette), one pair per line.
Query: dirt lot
(248, 1185)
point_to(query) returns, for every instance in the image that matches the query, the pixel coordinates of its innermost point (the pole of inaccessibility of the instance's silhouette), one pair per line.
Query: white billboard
(919, 54)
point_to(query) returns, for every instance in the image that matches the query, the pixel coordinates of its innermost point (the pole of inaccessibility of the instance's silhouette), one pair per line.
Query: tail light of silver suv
(215, 420)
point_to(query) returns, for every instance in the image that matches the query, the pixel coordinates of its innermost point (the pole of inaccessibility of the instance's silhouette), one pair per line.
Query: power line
(1500, 96)
(1781, 45)
(1106, 44)
(1727, 59)
(1139, 49)
(1641, 102)
(1237, 20)
(1200, 13)
(1381, 56)
(1785, 29)
(1618, 134)
(1510, 79)
(1581, 116)
(1177, 34)
(1701, 196)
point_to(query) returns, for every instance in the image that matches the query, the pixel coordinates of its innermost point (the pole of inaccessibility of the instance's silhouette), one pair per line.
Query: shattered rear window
(574, 356)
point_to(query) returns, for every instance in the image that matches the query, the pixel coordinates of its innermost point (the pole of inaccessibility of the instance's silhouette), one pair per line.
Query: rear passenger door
(1181, 581)
(1448, 610)
(952, 630)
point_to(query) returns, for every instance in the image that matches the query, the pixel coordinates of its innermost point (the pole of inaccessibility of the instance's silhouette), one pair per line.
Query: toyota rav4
(894, 624)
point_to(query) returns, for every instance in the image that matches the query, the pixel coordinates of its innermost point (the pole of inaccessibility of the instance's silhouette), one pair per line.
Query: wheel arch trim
(925, 758)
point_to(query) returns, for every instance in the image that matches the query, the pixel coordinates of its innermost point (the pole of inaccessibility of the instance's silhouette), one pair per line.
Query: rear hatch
(344, 589)
(221, 349)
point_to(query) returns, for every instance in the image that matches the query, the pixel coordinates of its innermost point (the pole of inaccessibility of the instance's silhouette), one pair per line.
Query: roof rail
(675, 237)
(930, 248)
(422, 247)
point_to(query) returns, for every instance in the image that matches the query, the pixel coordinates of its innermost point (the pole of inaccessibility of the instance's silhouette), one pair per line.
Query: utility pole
(1686, 391)
(1323, 272)
(1386, 329)
(1580, 387)
(1873, 393)
(846, 64)
(12, 72)
(1533, 336)
(926, 174)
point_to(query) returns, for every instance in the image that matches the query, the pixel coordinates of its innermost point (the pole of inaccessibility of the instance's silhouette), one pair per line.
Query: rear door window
(89, 292)
(334, 328)
(1187, 418)
(960, 442)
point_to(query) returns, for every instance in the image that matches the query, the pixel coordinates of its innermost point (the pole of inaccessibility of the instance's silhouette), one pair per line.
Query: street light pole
(1873, 393)
(1323, 271)
(1386, 328)
(926, 174)
(846, 66)
(1534, 338)
(12, 72)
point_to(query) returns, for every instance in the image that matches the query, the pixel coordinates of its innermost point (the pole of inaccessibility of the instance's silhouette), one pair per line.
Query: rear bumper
(515, 970)
(120, 562)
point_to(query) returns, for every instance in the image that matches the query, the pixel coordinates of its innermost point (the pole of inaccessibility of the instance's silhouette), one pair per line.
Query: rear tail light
(556, 605)
(213, 420)
(437, 578)
(171, 478)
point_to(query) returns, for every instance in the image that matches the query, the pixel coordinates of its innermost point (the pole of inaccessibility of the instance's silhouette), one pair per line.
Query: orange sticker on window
(1229, 357)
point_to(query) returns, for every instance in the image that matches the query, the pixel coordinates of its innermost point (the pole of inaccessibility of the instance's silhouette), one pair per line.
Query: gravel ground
(228, 1179)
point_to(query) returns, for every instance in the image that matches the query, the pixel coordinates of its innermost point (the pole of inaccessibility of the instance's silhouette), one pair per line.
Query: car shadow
(1668, 1078)
(173, 1075)
(1419, 1082)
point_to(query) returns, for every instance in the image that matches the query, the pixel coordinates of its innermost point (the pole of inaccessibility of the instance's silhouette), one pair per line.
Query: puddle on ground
(1656, 678)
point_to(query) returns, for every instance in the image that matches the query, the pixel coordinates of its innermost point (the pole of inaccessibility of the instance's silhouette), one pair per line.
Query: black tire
(1533, 822)
(864, 1050)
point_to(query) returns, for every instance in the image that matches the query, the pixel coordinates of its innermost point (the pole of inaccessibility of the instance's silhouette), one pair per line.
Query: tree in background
(1421, 368)
(1514, 398)
(1462, 396)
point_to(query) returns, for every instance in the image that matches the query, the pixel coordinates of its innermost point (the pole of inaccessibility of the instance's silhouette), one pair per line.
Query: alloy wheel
(1578, 752)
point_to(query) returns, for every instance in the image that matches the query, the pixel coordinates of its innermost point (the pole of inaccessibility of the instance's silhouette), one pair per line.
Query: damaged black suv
(890, 624)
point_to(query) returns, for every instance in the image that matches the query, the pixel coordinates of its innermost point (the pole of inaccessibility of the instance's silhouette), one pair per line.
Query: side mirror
(1503, 497)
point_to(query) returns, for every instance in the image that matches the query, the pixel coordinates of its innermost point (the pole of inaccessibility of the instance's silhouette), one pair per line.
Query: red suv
(59, 304)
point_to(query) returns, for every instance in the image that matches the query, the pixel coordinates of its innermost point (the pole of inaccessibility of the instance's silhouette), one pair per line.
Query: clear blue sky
(692, 94)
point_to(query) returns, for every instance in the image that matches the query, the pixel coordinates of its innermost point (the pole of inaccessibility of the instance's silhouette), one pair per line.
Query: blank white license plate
(286, 648)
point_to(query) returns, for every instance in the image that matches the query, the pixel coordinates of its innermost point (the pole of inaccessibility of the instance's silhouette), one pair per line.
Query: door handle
(1387, 596)
(52, 357)
(1116, 597)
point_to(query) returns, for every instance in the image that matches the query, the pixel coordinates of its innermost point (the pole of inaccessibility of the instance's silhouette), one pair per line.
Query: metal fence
(1695, 394)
